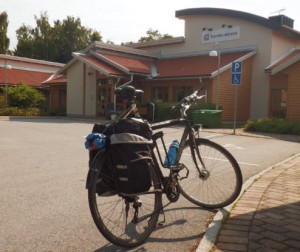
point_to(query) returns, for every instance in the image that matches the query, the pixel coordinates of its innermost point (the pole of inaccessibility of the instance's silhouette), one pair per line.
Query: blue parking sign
(236, 73)
(236, 79)
(236, 67)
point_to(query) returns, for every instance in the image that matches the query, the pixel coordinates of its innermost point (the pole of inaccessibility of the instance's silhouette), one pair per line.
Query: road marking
(213, 136)
(233, 147)
(250, 164)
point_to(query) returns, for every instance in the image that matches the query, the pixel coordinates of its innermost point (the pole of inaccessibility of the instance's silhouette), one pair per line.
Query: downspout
(203, 85)
(115, 98)
(131, 79)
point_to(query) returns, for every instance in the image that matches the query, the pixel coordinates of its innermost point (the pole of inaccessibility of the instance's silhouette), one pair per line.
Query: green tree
(71, 36)
(4, 40)
(25, 46)
(54, 43)
(24, 96)
(154, 35)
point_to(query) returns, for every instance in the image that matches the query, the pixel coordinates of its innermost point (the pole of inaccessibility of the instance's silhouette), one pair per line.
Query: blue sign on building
(236, 73)
(236, 79)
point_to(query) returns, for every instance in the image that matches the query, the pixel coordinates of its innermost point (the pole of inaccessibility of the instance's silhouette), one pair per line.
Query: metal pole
(218, 78)
(235, 108)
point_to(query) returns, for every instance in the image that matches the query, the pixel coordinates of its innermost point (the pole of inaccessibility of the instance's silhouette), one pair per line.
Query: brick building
(171, 68)
(15, 70)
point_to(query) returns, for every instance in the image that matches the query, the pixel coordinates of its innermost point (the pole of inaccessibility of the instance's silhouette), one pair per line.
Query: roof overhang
(284, 62)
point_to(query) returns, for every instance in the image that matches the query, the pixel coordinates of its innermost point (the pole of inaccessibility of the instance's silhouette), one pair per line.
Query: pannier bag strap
(126, 138)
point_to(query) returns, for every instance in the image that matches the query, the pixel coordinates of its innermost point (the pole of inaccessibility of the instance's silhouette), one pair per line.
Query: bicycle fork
(203, 172)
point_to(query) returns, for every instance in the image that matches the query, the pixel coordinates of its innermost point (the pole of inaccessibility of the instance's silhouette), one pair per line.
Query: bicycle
(204, 173)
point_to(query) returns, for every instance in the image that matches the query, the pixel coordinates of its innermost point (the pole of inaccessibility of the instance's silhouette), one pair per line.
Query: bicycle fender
(93, 168)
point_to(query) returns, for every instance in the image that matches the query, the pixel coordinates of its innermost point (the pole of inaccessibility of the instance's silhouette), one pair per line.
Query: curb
(209, 239)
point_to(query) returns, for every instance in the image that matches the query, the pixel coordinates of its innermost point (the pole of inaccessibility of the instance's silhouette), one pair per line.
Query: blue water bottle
(172, 153)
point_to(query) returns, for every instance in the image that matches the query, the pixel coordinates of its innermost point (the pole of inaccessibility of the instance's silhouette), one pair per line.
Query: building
(15, 70)
(268, 49)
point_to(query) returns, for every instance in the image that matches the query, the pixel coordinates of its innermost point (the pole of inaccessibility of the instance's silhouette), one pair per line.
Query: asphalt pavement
(43, 167)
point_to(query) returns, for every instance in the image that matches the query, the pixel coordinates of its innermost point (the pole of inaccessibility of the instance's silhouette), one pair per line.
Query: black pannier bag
(129, 125)
(134, 126)
(132, 161)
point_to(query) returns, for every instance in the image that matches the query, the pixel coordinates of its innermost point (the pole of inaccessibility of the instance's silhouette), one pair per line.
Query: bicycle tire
(109, 213)
(224, 179)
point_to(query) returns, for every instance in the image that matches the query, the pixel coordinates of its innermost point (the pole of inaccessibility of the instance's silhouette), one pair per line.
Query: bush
(13, 111)
(24, 96)
(277, 126)
(2, 101)
(163, 110)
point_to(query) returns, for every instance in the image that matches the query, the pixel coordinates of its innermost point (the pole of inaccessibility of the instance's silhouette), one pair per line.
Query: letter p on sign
(236, 67)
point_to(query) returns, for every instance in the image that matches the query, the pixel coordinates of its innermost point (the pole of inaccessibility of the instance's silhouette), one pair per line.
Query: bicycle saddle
(128, 92)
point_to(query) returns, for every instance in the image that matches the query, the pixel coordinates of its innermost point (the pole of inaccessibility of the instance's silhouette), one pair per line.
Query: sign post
(236, 76)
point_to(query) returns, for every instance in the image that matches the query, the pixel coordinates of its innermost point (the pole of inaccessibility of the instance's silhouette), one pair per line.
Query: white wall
(75, 88)
(90, 94)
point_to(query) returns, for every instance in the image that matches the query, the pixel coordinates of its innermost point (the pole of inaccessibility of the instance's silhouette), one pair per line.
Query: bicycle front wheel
(126, 221)
(220, 180)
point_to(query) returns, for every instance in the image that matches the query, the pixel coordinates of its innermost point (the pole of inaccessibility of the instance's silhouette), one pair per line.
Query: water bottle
(172, 153)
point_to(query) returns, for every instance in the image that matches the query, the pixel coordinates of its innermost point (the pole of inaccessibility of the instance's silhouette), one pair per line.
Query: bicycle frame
(188, 134)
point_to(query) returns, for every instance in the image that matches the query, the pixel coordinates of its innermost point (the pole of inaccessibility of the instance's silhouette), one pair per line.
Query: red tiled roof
(284, 62)
(16, 76)
(194, 66)
(134, 65)
(202, 65)
(107, 68)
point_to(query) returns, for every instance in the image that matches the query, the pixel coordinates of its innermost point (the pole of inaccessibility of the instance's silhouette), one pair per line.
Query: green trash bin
(208, 118)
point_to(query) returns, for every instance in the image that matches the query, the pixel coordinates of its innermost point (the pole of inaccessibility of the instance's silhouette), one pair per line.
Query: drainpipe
(203, 85)
(115, 98)
(125, 84)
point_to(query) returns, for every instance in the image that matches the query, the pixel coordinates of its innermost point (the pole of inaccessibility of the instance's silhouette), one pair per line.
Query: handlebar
(187, 101)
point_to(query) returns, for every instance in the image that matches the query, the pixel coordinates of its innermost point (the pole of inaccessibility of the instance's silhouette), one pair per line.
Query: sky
(128, 20)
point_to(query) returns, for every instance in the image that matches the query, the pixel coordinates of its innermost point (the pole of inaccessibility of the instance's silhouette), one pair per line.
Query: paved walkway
(265, 218)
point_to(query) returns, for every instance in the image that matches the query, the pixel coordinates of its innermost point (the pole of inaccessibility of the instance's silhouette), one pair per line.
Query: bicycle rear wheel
(221, 180)
(126, 221)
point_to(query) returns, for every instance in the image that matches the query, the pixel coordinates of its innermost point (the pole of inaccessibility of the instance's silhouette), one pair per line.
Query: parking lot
(44, 207)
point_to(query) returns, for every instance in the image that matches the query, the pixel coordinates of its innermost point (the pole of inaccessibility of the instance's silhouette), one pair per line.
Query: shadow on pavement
(164, 234)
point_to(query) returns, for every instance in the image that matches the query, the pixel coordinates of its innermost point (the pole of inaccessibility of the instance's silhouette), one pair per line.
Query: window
(279, 103)
(181, 91)
(160, 94)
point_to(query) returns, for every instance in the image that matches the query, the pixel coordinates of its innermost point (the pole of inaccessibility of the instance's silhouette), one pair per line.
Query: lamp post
(217, 53)
(5, 76)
